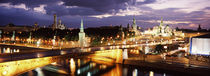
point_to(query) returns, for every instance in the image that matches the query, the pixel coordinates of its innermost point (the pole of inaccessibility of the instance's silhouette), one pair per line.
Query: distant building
(54, 26)
(83, 41)
(59, 25)
(134, 27)
(36, 27)
(199, 28)
(121, 33)
(199, 45)
(163, 30)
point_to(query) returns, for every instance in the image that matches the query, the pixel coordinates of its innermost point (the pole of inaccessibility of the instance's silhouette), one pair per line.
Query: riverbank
(189, 69)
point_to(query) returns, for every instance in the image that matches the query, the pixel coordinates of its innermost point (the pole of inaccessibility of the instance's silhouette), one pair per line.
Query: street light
(38, 42)
(165, 47)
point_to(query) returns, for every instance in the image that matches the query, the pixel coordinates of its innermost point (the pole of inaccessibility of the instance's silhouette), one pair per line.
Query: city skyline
(179, 13)
(104, 37)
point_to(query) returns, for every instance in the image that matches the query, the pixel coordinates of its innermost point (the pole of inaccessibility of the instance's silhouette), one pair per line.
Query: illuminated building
(82, 39)
(13, 36)
(164, 31)
(134, 27)
(59, 25)
(29, 38)
(54, 26)
(121, 33)
(199, 45)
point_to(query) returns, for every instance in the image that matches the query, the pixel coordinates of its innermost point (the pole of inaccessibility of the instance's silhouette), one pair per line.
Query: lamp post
(38, 42)
(166, 48)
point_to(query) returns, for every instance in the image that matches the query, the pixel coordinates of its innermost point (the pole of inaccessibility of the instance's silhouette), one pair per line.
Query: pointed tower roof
(134, 23)
(81, 27)
(161, 23)
(134, 20)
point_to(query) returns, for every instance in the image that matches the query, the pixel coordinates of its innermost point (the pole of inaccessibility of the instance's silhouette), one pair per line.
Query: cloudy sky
(176, 13)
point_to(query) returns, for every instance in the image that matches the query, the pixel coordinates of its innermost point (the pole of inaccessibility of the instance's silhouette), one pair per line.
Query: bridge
(18, 63)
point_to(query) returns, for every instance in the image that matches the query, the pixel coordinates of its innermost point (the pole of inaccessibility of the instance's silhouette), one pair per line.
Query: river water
(86, 67)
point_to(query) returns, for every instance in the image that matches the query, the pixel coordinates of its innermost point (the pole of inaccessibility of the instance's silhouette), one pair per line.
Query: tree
(159, 48)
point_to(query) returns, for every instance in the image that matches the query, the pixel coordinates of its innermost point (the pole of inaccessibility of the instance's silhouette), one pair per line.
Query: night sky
(95, 13)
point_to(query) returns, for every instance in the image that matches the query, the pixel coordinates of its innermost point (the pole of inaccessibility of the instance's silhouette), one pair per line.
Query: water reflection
(86, 67)
(8, 50)
(72, 66)
(39, 72)
(115, 71)
(78, 62)
(125, 71)
(89, 74)
(151, 73)
(135, 73)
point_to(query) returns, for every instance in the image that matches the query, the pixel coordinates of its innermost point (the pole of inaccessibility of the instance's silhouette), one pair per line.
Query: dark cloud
(62, 11)
(98, 5)
(71, 12)
(21, 17)
(83, 7)
(94, 6)
(105, 6)
(30, 3)
(145, 2)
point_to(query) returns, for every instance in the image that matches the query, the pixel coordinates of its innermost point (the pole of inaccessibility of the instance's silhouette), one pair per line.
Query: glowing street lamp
(124, 42)
(165, 47)
(118, 36)
(109, 44)
(38, 42)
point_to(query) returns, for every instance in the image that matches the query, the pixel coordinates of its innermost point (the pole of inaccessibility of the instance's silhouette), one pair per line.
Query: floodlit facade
(134, 27)
(83, 41)
(58, 25)
(200, 45)
(163, 30)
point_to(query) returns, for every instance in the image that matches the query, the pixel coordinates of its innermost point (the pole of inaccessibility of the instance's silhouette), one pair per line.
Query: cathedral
(134, 28)
(162, 30)
(59, 25)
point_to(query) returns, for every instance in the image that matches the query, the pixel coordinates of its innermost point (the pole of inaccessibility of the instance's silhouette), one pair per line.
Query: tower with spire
(82, 40)
(161, 23)
(161, 26)
(134, 26)
(55, 22)
(199, 28)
